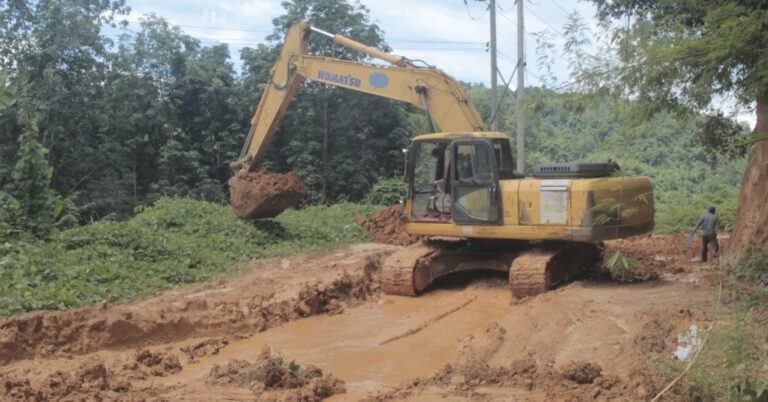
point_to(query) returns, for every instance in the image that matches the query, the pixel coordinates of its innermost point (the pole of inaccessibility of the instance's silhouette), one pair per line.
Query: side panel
(553, 202)
(509, 192)
(528, 202)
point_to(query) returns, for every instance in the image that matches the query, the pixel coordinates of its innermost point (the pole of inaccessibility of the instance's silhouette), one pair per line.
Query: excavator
(463, 193)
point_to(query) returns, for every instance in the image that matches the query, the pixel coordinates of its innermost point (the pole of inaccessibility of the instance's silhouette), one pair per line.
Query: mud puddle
(382, 343)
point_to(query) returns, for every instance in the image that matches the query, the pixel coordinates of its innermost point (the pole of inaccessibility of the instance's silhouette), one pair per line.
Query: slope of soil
(387, 226)
(751, 227)
(264, 195)
(661, 254)
(466, 339)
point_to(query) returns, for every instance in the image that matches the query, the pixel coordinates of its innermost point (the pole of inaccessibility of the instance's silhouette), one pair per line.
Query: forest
(100, 126)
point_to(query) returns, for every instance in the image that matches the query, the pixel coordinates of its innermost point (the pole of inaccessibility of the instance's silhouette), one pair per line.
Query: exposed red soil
(272, 378)
(255, 302)
(660, 254)
(387, 226)
(583, 341)
(750, 230)
(260, 194)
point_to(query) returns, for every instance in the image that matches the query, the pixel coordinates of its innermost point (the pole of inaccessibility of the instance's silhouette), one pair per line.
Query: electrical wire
(470, 14)
(561, 7)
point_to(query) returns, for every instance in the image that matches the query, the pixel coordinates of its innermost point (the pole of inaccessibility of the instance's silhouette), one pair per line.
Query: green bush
(681, 216)
(171, 243)
(387, 191)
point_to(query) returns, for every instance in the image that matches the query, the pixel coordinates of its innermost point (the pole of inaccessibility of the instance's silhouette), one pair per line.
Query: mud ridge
(240, 308)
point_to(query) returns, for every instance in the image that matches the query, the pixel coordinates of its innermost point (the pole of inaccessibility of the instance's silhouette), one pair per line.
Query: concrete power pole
(520, 90)
(494, 103)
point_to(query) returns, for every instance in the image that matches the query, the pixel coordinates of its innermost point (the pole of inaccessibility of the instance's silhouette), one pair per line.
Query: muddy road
(308, 328)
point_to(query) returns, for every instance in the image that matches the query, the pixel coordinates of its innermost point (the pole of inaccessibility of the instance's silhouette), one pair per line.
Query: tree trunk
(750, 231)
(326, 129)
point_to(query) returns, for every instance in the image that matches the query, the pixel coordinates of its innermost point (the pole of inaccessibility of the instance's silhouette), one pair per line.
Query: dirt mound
(659, 254)
(159, 364)
(86, 381)
(387, 226)
(260, 194)
(523, 379)
(272, 378)
(582, 372)
(205, 348)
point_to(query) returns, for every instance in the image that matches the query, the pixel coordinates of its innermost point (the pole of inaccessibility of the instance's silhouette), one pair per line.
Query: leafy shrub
(680, 217)
(387, 191)
(623, 268)
(171, 243)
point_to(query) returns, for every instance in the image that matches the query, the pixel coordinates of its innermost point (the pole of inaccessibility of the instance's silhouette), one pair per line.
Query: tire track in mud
(430, 321)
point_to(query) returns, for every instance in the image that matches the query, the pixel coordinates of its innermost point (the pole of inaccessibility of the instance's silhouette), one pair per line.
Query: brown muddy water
(382, 343)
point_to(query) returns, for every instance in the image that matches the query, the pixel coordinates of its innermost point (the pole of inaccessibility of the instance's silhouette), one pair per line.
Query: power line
(547, 23)
(223, 29)
(561, 7)
(470, 15)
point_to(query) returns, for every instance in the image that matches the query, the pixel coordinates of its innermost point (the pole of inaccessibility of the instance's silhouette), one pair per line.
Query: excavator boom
(429, 88)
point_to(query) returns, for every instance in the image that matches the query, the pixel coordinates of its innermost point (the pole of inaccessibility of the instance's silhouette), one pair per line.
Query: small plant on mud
(623, 268)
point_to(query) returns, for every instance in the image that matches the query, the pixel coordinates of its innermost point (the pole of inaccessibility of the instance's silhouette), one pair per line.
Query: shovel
(689, 239)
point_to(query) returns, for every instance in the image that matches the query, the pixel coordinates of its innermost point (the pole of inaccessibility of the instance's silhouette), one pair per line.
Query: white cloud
(411, 28)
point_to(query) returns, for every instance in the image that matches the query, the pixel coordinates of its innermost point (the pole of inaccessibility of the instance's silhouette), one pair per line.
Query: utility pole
(494, 103)
(520, 90)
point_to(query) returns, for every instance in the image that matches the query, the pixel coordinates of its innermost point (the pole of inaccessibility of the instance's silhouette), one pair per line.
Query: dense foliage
(157, 114)
(172, 243)
(686, 178)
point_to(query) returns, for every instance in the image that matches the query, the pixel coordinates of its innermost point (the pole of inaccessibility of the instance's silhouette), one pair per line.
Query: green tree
(341, 141)
(685, 57)
(36, 206)
(57, 49)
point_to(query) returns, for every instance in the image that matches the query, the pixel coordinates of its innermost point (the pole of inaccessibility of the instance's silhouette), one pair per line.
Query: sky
(449, 34)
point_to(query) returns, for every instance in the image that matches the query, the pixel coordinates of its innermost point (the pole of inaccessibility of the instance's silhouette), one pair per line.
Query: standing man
(709, 224)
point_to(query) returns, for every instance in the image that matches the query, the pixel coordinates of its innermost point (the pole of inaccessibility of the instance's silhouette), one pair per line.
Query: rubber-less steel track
(529, 275)
(409, 271)
(536, 271)
(406, 272)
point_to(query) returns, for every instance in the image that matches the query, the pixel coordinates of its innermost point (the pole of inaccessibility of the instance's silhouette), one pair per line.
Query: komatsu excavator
(462, 190)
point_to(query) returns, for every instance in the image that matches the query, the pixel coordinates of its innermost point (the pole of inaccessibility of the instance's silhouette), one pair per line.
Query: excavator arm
(437, 93)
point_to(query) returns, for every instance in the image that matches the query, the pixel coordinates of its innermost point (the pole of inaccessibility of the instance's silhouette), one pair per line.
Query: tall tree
(684, 57)
(57, 49)
(340, 140)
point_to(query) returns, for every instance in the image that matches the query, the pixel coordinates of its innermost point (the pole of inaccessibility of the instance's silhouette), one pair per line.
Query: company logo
(339, 79)
(379, 80)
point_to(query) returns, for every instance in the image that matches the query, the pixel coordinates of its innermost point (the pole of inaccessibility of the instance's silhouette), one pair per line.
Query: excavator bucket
(259, 194)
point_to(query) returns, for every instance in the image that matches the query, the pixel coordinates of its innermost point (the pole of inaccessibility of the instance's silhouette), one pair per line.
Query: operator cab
(455, 176)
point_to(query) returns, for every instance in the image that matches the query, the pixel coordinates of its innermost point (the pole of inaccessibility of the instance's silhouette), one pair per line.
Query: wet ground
(467, 338)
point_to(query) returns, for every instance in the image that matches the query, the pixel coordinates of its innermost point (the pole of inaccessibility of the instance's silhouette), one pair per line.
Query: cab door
(474, 182)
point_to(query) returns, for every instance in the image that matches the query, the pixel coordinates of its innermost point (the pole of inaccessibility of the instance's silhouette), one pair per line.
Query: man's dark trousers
(705, 240)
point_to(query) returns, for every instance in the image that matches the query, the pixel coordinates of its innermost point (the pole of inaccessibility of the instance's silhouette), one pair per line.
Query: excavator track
(536, 271)
(406, 272)
(409, 271)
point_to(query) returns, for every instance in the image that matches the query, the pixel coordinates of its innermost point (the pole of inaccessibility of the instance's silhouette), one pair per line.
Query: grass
(734, 362)
(174, 242)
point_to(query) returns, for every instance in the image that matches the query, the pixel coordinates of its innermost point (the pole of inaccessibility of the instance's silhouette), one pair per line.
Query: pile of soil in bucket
(387, 226)
(259, 194)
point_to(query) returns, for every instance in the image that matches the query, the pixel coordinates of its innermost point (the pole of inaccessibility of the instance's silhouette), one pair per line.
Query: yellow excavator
(462, 190)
